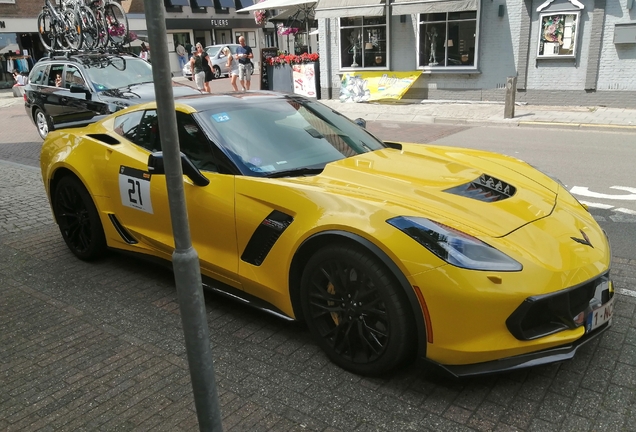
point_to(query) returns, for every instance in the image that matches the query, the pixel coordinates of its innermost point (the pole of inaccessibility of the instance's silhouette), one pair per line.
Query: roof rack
(59, 54)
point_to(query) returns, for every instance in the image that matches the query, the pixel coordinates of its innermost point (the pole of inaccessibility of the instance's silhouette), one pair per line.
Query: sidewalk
(454, 112)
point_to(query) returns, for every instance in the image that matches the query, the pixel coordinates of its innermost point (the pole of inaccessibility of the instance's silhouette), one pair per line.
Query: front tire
(217, 72)
(356, 311)
(78, 219)
(42, 122)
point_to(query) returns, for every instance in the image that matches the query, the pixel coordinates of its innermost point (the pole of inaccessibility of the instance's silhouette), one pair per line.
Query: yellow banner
(376, 85)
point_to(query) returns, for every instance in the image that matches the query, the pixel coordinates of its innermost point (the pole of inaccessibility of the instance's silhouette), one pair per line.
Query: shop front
(567, 52)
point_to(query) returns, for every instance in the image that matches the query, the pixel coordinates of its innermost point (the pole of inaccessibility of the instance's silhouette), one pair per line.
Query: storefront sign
(220, 23)
(2, 24)
(369, 86)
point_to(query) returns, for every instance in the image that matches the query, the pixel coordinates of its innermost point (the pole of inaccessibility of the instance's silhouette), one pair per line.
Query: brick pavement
(99, 347)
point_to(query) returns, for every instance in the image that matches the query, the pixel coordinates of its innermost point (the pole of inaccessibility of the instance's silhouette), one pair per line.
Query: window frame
(474, 68)
(575, 36)
(362, 27)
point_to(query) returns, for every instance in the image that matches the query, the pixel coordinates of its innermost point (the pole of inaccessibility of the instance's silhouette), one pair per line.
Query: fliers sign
(370, 86)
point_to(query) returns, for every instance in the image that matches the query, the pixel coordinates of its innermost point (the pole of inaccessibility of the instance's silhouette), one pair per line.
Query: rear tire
(78, 219)
(356, 310)
(73, 36)
(217, 72)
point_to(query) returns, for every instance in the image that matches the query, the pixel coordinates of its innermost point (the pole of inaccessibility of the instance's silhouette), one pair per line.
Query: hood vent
(485, 188)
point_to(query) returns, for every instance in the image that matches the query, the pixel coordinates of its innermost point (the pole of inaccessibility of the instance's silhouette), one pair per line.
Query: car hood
(140, 93)
(492, 194)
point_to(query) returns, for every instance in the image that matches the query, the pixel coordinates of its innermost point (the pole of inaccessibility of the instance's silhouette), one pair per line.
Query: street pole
(185, 260)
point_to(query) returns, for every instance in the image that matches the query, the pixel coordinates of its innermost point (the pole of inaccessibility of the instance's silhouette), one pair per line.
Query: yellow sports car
(388, 251)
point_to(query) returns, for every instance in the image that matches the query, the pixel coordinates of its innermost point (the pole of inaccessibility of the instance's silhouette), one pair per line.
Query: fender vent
(485, 188)
(265, 236)
(123, 232)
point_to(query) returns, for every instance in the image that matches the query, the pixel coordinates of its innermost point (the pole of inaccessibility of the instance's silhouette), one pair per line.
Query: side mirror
(361, 122)
(156, 167)
(81, 89)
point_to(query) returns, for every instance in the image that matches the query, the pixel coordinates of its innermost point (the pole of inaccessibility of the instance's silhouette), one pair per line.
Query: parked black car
(72, 90)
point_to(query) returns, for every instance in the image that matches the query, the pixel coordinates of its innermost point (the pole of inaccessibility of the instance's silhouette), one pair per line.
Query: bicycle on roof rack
(59, 27)
(75, 25)
(112, 23)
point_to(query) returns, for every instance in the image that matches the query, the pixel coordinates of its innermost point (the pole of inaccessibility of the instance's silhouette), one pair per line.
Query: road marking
(626, 211)
(597, 205)
(584, 191)
(626, 292)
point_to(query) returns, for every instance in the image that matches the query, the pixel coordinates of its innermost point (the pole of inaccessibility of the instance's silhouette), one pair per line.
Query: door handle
(64, 100)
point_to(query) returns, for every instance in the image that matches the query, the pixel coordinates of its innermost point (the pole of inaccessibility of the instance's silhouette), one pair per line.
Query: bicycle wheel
(89, 28)
(73, 34)
(116, 23)
(46, 31)
(102, 33)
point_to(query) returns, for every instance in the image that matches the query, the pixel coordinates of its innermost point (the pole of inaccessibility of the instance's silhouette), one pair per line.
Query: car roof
(220, 45)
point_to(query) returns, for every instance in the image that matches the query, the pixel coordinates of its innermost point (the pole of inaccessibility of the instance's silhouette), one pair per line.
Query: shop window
(447, 39)
(558, 34)
(363, 42)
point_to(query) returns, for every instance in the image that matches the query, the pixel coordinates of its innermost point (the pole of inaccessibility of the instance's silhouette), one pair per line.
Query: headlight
(454, 247)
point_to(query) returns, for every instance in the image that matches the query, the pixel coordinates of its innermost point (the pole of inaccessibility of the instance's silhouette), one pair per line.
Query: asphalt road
(99, 347)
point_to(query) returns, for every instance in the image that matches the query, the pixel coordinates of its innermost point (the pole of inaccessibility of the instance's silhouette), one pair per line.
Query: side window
(194, 144)
(55, 71)
(38, 75)
(140, 127)
(73, 77)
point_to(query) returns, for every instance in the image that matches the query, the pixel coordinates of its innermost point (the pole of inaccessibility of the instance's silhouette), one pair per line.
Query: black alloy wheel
(356, 311)
(78, 219)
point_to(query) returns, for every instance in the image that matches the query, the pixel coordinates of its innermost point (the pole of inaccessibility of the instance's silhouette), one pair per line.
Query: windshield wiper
(296, 172)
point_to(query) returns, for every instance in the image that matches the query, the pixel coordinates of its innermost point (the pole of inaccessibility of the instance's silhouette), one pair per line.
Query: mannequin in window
(432, 37)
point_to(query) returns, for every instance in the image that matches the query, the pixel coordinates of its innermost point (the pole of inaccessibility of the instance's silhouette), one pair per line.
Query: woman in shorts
(196, 66)
(233, 65)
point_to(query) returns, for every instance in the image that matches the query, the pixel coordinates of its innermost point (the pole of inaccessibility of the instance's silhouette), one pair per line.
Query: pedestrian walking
(198, 71)
(244, 56)
(232, 65)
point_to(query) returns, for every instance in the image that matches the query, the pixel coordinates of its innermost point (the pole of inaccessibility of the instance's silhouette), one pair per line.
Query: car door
(80, 105)
(51, 95)
(142, 203)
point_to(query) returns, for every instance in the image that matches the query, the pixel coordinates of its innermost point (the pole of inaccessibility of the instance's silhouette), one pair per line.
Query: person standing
(145, 52)
(188, 48)
(233, 66)
(183, 55)
(244, 56)
(196, 66)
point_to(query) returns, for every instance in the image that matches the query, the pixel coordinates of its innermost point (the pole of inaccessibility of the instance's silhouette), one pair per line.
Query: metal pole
(185, 259)
(511, 92)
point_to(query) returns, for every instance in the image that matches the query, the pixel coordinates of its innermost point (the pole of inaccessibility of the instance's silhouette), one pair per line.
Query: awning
(277, 4)
(349, 8)
(292, 15)
(409, 7)
(177, 3)
(202, 3)
(225, 3)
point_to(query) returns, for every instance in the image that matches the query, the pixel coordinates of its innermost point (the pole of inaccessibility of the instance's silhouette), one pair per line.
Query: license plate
(600, 316)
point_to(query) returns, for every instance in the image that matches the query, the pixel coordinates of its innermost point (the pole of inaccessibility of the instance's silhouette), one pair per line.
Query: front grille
(539, 316)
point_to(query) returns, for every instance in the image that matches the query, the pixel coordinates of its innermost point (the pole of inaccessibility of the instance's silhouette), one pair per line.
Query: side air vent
(105, 138)
(265, 236)
(123, 232)
(485, 188)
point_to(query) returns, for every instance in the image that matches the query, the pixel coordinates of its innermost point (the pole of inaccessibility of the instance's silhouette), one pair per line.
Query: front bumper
(552, 355)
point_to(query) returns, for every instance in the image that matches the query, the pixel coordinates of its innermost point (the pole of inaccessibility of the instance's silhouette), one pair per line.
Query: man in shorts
(244, 56)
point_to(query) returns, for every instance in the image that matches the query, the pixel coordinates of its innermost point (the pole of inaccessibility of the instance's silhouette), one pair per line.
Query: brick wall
(21, 9)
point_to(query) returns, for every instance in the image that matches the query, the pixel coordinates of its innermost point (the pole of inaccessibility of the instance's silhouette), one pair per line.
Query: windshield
(279, 136)
(109, 73)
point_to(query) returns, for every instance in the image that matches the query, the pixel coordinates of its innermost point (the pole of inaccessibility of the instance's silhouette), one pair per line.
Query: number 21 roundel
(134, 188)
